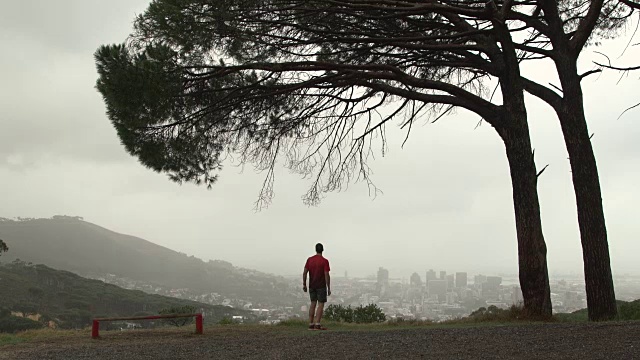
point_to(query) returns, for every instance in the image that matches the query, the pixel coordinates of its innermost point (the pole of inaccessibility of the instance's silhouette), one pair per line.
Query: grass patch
(491, 316)
(9, 339)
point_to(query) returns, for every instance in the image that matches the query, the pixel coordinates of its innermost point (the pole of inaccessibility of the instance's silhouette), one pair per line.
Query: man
(319, 286)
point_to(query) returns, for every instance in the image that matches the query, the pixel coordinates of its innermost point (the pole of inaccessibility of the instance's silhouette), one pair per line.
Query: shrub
(13, 324)
(629, 310)
(493, 313)
(187, 309)
(362, 314)
(226, 321)
(339, 313)
(368, 314)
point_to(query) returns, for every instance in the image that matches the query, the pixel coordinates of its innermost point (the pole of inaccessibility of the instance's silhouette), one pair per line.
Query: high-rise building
(494, 281)
(443, 275)
(383, 281)
(461, 279)
(383, 276)
(491, 288)
(415, 280)
(431, 275)
(437, 289)
(450, 281)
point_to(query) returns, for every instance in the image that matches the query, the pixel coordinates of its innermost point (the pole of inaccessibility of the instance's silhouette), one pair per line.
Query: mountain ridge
(72, 244)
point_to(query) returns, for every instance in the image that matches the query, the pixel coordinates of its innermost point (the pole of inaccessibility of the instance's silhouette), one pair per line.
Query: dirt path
(545, 341)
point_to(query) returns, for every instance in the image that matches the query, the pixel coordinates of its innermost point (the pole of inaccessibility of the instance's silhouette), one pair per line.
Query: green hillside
(68, 243)
(72, 301)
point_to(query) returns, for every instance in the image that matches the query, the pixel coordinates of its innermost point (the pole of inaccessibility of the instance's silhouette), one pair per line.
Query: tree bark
(532, 250)
(601, 299)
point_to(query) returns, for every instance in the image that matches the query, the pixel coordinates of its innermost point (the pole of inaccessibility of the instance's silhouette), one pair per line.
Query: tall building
(494, 281)
(415, 280)
(491, 288)
(437, 289)
(431, 275)
(443, 275)
(383, 281)
(383, 276)
(461, 279)
(450, 281)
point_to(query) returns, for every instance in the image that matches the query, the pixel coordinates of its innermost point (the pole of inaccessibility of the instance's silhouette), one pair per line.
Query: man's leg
(322, 298)
(319, 311)
(312, 311)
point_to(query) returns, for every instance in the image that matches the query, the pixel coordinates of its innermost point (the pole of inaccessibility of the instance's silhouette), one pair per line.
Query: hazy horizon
(446, 201)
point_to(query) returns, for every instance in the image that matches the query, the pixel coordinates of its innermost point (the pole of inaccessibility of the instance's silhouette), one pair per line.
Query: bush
(361, 315)
(4, 312)
(187, 309)
(13, 324)
(339, 313)
(629, 310)
(369, 314)
(226, 321)
(493, 313)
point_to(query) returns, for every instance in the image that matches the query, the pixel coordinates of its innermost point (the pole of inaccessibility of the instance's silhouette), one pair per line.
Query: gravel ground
(613, 340)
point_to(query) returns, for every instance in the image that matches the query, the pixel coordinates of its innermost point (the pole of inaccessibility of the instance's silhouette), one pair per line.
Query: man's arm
(304, 279)
(327, 278)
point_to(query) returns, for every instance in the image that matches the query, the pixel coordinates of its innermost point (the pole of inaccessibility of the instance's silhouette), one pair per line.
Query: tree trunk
(532, 250)
(601, 298)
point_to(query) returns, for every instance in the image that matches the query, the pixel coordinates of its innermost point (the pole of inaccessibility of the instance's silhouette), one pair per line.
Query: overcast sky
(447, 195)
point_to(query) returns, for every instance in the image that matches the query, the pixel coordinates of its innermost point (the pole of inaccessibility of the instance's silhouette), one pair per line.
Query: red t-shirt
(317, 266)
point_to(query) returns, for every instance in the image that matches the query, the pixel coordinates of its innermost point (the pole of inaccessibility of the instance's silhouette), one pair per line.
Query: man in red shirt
(319, 286)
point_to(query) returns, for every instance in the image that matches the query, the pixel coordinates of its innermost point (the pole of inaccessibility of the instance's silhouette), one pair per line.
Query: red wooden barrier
(95, 328)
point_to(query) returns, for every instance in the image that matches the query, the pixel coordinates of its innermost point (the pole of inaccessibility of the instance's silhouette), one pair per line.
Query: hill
(71, 301)
(71, 244)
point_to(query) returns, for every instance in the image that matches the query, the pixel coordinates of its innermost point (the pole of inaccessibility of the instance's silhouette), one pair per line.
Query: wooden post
(199, 329)
(95, 329)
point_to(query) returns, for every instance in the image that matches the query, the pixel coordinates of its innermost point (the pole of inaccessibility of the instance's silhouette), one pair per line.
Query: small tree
(3, 247)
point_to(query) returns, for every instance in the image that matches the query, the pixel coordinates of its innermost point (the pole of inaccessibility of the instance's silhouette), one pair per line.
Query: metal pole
(95, 329)
(199, 329)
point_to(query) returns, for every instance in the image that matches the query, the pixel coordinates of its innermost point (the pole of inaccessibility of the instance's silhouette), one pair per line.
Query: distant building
(438, 289)
(443, 275)
(491, 288)
(383, 280)
(431, 275)
(450, 281)
(461, 279)
(494, 281)
(383, 276)
(415, 280)
(478, 280)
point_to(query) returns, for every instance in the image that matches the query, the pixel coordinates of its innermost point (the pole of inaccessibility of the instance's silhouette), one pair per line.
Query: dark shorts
(318, 295)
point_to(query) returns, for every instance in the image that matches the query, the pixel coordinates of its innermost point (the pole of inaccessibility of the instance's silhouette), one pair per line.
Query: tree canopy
(314, 85)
